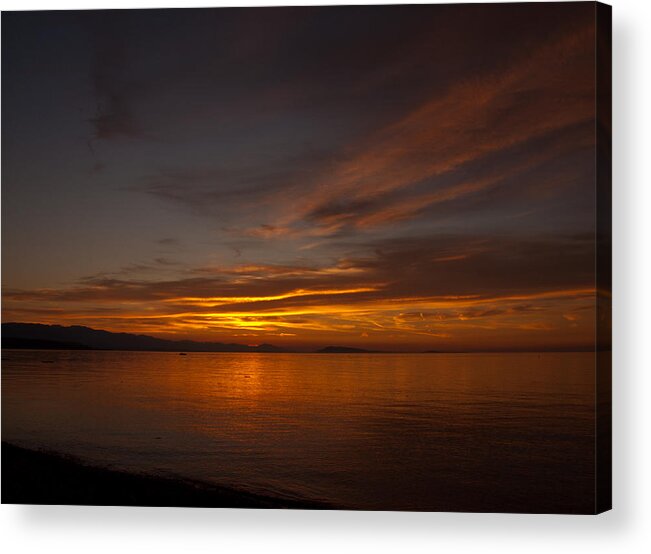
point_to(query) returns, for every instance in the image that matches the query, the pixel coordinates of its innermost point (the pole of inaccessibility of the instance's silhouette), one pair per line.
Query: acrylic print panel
(308, 257)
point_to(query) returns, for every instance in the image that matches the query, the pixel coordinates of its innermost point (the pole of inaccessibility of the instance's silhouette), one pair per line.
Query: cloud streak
(470, 122)
(409, 289)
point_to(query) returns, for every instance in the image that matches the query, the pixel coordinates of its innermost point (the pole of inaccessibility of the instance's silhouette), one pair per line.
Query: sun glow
(303, 314)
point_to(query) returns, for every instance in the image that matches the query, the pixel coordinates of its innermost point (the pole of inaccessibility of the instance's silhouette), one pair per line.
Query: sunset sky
(399, 178)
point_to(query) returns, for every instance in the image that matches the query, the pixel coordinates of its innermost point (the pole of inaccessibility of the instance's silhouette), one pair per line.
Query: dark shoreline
(38, 477)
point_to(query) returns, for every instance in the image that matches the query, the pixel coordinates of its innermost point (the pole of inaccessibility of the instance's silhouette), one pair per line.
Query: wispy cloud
(470, 122)
(409, 288)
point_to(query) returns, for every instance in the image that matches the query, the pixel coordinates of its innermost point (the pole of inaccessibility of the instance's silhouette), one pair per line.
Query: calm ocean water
(480, 432)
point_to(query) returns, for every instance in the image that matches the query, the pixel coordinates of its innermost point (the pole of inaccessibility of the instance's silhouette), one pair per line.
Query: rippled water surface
(477, 432)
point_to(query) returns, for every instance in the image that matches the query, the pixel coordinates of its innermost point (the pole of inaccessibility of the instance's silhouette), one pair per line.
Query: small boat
(182, 354)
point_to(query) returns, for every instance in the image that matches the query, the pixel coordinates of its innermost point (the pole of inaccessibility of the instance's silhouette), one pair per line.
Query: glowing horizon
(429, 194)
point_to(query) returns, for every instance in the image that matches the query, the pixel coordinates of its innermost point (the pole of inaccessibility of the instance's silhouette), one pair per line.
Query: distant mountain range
(76, 337)
(57, 337)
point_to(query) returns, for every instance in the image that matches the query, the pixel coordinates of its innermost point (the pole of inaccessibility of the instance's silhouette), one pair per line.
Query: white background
(626, 529)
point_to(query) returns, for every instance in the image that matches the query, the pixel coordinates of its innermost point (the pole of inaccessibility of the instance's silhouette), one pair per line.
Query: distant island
(344, 350)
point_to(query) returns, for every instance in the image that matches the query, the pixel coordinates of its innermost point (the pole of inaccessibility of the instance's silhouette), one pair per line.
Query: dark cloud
(168, 241)
(440, 266)
(458, 265)
(115, 114)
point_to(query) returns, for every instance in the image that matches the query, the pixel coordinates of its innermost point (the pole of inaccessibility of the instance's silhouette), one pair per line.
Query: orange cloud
(223, 300)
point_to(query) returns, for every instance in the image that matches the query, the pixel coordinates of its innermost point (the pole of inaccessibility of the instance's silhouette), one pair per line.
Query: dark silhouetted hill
(38, 344)
(75, 337)
(343, 350)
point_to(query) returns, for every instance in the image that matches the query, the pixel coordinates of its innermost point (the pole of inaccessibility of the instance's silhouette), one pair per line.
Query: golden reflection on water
(375, 431)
